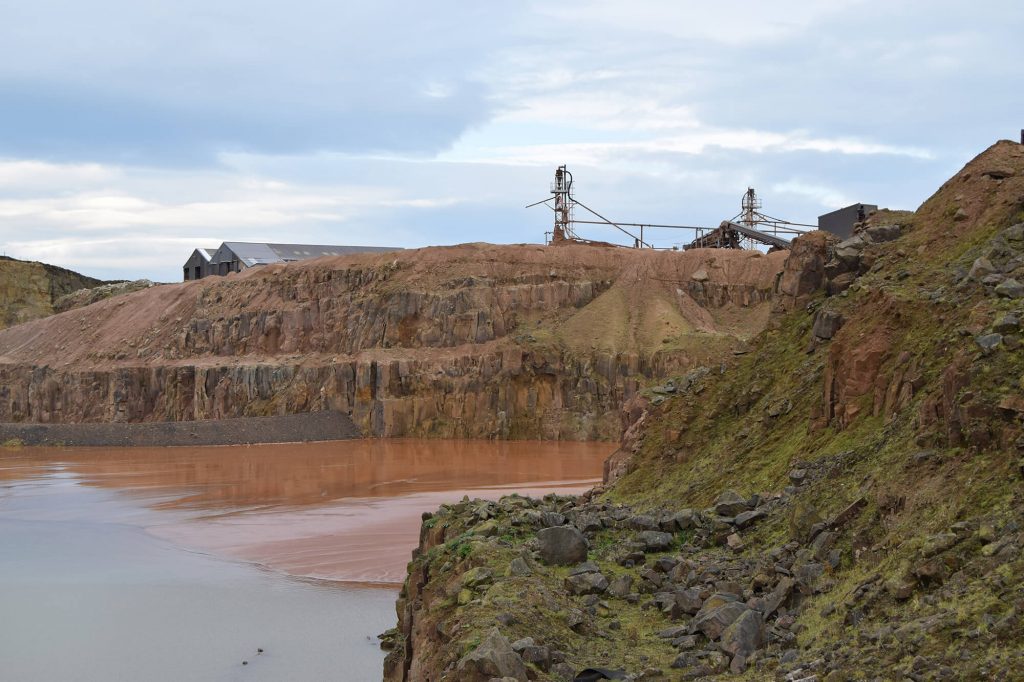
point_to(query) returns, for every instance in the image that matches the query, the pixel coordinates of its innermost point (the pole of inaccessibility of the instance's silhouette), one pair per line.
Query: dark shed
(840, 223)
(198, 264)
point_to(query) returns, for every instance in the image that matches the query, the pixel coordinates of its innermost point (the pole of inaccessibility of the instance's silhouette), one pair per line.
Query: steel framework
(749, 227)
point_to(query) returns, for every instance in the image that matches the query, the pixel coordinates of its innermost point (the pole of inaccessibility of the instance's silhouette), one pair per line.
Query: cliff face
(844, 501)
(468, 341)
(29, 290)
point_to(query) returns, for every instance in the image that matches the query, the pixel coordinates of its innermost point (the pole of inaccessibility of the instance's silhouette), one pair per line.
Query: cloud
(723, 23)
(172, 125)
(114, 80)
(28, 175)
(826, 197)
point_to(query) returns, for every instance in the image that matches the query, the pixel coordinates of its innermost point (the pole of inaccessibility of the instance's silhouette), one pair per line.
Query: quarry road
(179, 563)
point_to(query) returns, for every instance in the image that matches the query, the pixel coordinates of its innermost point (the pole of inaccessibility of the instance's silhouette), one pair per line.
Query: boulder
(621, 586)
(826, 324)
(550, 518)
(562, 545)
(686, 519)
(730, 503)
(666, 602)
(477, 577)
(745, 635)
(689, 601)
(989, 342)
(586, 583)
(493, 658)
(585, 567)
(644, 522)
(656, 541)
(1007, 324)
(713, 622)
(840, 283)
(802, 519)
(848, 252)
(981, 268)
(747, 518)
(539, 656)
(777, 596)
(1010, 288)
(936, 544)
(700, 276)
(587, 523)
(882, 233)
(519, 567)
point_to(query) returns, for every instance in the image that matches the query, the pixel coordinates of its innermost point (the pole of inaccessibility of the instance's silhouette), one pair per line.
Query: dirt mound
(84, 297)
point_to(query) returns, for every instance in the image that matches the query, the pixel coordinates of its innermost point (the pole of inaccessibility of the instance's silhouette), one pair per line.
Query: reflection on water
(343, 510)
(121, 563)
(311, 473)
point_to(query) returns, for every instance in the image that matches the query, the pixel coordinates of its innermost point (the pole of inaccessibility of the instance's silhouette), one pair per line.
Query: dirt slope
(472, 340)
(845, 502)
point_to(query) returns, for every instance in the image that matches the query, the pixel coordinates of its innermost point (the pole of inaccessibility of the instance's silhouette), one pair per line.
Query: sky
(133, 132)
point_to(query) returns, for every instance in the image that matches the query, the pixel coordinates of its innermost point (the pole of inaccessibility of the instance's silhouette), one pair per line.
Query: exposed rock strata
(841, 500)
(469, 341)
(30, 290)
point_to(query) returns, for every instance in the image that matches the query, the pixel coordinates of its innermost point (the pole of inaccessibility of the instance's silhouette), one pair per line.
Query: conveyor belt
(729, 234)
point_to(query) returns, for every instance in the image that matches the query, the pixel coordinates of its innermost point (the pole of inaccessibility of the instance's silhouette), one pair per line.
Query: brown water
(176, 563)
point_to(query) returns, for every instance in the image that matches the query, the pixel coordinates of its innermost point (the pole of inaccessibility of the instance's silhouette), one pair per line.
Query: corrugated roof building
(198, 264)
(237, 256)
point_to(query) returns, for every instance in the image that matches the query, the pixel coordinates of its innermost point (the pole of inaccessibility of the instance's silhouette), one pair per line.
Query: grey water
(87, 594)
(181, 563)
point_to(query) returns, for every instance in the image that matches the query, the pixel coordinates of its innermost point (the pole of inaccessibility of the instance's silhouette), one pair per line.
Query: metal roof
(302, 251)
(258, 253)
(252, 254)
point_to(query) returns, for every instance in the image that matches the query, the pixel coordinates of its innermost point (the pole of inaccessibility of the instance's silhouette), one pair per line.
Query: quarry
(820, 454)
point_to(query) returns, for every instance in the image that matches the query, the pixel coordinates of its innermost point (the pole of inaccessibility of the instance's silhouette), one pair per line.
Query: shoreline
(290, 428)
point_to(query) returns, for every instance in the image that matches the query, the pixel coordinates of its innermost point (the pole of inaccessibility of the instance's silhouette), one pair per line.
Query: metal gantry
(749, 227)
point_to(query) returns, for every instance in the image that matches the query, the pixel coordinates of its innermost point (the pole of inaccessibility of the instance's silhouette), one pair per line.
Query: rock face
(468, 341)
(30, 290)
(842, 499)
(804, 273)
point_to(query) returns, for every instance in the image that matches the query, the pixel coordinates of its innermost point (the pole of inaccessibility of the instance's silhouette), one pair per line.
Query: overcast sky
(132, 132)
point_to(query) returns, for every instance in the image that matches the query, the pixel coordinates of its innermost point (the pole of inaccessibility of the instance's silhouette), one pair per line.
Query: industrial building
(237, 256)
(198, 264)
(841, 222)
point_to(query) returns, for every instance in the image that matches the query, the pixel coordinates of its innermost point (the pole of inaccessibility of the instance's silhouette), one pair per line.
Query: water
(179, 563)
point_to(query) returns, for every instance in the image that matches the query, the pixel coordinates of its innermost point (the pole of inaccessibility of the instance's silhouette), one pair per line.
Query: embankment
(843, 502)
(469, 341)
(292, 428)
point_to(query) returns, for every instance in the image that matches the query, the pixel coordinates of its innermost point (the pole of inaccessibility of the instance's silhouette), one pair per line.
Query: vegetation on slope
(850, 491)
(29, 290)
